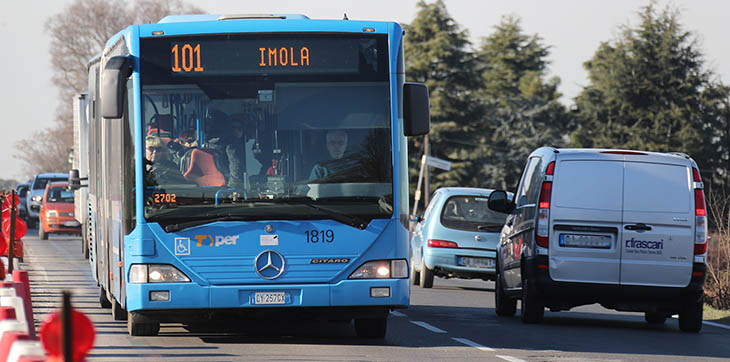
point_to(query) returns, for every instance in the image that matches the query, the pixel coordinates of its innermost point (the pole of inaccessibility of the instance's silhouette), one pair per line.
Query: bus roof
(211, 17)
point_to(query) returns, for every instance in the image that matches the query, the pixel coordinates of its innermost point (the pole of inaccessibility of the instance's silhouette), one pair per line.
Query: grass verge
(716, 315)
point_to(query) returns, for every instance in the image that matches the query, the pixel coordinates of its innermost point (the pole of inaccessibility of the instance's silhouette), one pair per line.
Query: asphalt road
(454, 320)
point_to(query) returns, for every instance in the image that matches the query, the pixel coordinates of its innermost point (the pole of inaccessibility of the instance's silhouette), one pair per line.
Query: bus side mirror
(498, 201)
(416, 119)
(113, 82)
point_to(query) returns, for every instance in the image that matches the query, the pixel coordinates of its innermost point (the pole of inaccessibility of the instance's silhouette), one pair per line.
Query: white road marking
(510, 358)
(716, 324)
(429, 327)
(473, 344)
(396, 313)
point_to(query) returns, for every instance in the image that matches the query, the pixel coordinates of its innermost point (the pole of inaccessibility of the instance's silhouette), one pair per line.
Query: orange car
(57, 211)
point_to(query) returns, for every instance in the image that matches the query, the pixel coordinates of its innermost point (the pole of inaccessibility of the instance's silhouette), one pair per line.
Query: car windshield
(308, 122)
(60, 194)
(472, 214)
(41, 182)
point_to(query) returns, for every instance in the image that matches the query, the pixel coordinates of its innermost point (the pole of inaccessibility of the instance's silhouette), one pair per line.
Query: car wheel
(503, 305)
(371, 327)
(415, 275)
(690, 317)
(139, 325)
(655, 317)
(42, 234)
(103, 300)
(426, 275)
(533, 308)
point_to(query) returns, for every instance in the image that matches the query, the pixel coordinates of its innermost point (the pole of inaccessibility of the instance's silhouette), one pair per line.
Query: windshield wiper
(346, 219)
(490, 227)
(184, 225)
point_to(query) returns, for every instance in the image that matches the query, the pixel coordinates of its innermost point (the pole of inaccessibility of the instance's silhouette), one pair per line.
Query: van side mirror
(74, 181)
(416, 118)
(113, 82)
(498, 201)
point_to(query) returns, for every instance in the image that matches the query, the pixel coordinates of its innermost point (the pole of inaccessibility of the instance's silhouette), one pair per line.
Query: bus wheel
(371, 327)
(103, 300)
(42, 234)
(139, 325)
(118, 313)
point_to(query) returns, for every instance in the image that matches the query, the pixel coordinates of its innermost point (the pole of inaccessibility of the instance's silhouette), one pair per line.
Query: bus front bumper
(350, 297)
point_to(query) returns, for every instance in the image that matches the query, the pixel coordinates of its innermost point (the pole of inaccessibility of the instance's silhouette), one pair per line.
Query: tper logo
(217, 240)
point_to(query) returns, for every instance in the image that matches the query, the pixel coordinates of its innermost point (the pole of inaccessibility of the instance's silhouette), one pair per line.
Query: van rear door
(585, 217)
(658, 219)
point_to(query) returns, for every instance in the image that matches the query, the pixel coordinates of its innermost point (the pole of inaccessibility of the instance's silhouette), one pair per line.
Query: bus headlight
(51, 213)
(156, 273)
(37, 198)
(381, 269)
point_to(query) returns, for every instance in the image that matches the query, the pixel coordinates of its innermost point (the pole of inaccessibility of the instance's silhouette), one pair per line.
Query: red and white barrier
(27, 351)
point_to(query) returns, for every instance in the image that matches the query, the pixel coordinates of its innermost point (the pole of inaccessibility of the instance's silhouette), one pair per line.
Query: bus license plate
(476, 262)
(271, 298)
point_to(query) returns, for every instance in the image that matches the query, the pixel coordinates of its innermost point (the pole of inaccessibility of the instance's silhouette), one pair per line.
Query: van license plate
(476, 262)
(585, 241)
(271, 298)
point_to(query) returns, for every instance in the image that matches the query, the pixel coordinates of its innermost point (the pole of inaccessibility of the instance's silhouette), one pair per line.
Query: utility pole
(427, 186)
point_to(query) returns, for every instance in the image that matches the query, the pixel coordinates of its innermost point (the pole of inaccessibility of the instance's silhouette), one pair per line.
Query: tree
(649, 90)
(436, 54)
(77, 34)
(521, 110)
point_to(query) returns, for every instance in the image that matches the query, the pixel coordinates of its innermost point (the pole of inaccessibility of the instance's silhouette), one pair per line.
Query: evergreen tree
(520, 107)
(436, 54)
(648, 90)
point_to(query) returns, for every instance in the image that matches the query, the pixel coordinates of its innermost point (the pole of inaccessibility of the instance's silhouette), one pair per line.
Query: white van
(626, 229)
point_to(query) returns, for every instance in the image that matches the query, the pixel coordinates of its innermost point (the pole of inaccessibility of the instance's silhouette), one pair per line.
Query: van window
(655, 187)
(527, 192)
(588, 185)
(469, 213)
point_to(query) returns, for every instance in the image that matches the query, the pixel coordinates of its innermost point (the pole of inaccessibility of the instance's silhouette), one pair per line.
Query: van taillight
(543, 214)
(700, 217)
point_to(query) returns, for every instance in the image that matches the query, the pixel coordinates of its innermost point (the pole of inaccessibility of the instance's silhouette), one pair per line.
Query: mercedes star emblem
(269, 228)
(269, 264)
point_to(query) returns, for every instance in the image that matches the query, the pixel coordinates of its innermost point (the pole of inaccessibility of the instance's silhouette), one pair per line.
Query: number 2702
(320, 236)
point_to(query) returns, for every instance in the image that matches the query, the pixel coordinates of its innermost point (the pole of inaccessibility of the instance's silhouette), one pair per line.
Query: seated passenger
(161, 169)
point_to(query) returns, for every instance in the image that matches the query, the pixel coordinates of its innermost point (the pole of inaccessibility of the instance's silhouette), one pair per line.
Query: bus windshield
(266, 126)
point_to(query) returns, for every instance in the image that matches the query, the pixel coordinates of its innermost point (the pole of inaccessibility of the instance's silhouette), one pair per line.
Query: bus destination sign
(201, 57)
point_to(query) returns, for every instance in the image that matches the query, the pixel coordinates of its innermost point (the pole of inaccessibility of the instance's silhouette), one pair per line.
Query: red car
(57, 211)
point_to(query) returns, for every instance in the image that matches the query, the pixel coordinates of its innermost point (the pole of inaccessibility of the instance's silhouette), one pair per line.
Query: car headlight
(381, 269)
(51, 213)
(37, 198)
(156, 273)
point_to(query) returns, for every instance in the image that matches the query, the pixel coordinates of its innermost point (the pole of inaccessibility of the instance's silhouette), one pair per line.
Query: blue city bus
(251, 166)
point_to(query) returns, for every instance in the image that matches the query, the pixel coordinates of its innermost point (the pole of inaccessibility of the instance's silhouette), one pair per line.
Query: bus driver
(336, 147)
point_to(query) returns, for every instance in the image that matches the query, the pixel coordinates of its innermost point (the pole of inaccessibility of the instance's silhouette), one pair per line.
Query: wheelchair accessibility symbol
(182, 246)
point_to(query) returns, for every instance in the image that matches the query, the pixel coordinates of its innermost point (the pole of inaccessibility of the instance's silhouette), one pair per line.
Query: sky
(572, 28)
